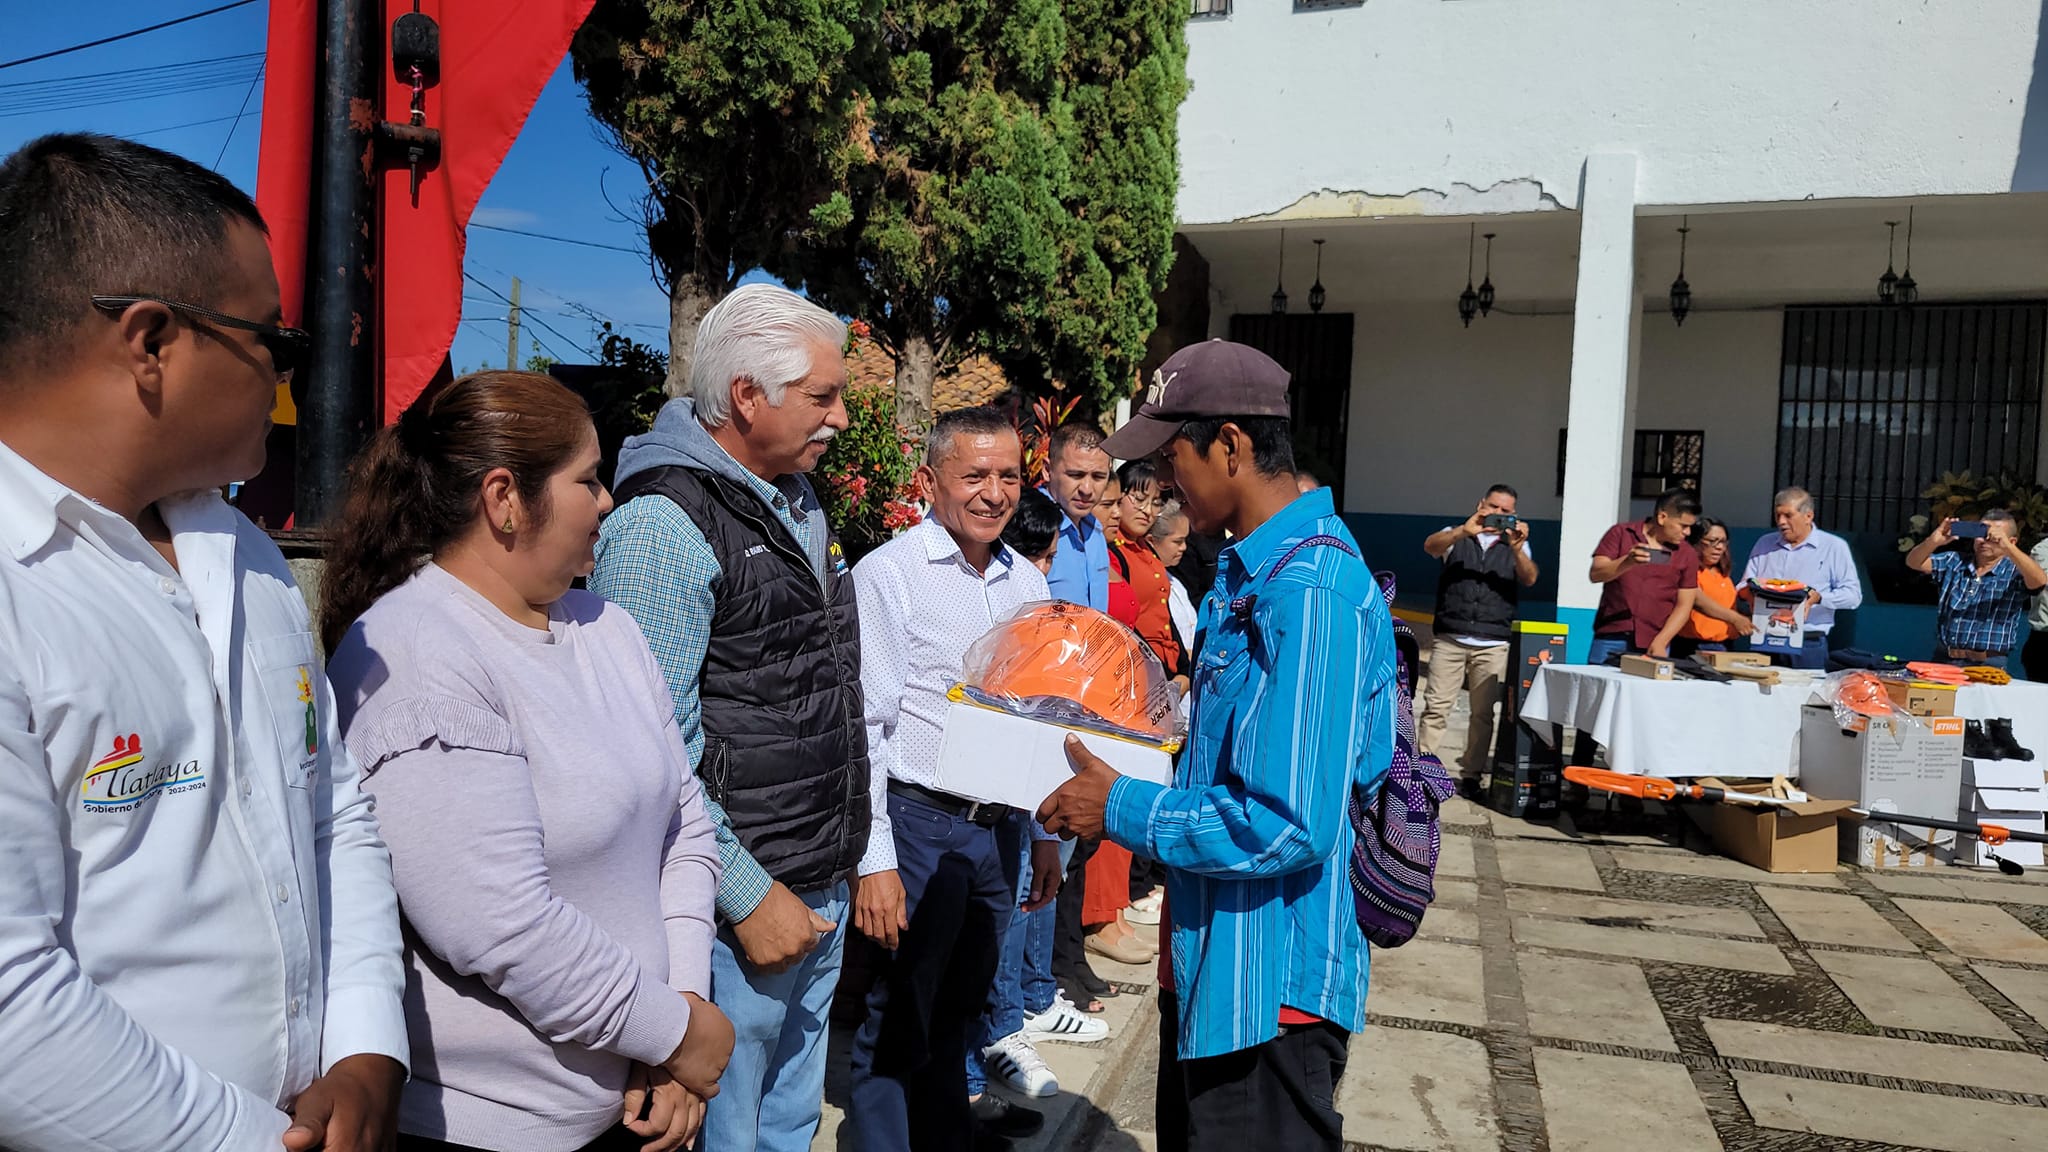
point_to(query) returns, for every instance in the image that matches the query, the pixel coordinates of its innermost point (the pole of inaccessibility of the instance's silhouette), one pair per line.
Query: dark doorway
(1316, 351)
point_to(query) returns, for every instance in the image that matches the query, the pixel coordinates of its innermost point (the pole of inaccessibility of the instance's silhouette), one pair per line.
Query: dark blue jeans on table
(910, 1055)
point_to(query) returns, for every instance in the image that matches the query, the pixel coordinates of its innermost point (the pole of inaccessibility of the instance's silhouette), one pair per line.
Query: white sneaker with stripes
(1064, 1022)
(1015, 1062)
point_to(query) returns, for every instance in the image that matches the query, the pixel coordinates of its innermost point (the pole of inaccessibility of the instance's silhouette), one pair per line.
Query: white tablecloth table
(1737, 731)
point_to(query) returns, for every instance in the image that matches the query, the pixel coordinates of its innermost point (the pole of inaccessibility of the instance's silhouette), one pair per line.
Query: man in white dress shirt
(199, 943)
(925, 597)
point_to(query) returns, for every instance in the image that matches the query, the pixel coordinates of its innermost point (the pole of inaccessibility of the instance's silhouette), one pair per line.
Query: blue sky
(554, 180)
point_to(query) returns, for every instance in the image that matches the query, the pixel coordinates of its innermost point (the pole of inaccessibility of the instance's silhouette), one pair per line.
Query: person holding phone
(1984, 592)
(1651, 578)
(1486, 564)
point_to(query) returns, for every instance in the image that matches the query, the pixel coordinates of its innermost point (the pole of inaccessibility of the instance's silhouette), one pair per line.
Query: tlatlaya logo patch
(124, 778)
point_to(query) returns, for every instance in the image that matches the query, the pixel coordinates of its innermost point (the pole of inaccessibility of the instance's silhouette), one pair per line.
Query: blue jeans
(1606, 646)
(1011, 996)
(910, 1054)
(1812, 654)
(773, 1091)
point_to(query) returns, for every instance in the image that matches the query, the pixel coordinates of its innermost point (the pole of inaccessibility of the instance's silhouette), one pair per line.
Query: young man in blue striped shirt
(1293, 708)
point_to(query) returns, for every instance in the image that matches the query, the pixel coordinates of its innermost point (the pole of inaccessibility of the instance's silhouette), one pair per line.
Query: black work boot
(1978, 744)
(2000, 733)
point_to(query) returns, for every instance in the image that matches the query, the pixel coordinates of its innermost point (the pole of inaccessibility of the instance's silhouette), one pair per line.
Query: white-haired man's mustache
(824, 435)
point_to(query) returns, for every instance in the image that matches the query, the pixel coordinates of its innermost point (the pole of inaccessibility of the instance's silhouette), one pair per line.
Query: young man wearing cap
(1293, 707)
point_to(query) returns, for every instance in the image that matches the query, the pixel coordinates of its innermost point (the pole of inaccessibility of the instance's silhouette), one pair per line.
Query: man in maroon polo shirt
(1650, 576)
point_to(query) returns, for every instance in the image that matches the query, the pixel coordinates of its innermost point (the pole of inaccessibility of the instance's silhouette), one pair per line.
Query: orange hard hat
(1075, 653)
(1863, 692)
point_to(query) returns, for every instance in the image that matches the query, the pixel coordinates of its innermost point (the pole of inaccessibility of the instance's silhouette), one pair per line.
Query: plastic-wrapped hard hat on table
(1062, 662)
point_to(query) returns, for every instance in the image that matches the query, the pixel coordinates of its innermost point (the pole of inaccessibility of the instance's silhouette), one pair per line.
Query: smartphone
(1969, 530)
(1498, 523)
(1660, 556)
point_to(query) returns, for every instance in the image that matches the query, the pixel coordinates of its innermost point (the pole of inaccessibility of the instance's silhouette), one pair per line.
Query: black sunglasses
(287, 346)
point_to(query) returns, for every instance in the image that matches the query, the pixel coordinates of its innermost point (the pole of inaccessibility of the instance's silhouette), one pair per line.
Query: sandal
(1087, 996)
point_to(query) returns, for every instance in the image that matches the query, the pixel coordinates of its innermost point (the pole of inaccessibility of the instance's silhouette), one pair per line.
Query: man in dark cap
(1293, 707)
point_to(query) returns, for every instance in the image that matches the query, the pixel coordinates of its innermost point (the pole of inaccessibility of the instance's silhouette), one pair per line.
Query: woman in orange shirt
(1714, 618)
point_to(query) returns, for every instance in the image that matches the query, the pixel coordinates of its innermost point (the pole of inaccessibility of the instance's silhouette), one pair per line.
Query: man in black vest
(720, 550)
(1487, 563)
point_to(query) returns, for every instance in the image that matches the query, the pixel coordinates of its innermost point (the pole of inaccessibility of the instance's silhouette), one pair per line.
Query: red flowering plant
(868, 477)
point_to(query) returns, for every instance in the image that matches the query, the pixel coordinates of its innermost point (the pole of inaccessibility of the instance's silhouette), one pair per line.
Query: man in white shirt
(925, 597)
(199, 940)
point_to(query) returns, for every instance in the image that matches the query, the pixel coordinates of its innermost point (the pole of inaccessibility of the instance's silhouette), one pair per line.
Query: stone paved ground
(1579, 991)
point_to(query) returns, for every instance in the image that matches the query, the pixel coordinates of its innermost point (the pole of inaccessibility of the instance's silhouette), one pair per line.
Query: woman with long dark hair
(1715, 620)
(554, 860)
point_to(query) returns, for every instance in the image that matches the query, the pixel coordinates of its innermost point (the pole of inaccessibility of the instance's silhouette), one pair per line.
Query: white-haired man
(720, 549)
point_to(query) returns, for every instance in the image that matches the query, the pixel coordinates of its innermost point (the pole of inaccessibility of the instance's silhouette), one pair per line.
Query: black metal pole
(338, 401)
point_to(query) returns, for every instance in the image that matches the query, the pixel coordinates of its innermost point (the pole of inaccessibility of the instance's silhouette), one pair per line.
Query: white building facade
(1583, 134)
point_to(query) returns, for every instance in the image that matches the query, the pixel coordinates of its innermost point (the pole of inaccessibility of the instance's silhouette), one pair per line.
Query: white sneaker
(1015, 1062)
(1064, 1022)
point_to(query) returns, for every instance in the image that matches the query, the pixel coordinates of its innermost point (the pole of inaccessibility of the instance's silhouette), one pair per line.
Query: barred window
(1667, 460)
(1875, 402)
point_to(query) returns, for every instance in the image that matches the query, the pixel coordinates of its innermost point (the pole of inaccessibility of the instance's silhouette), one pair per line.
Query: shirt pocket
(286, 673)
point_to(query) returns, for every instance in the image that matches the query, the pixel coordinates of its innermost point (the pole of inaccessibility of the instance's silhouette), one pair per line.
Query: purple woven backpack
(1396, 837)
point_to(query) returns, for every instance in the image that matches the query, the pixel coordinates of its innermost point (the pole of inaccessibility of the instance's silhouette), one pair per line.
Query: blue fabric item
(910, 1054)
(779, 1023)
(1605, 648)
(653, 562)
(1822, 560)
(1080, 565)
(1979, 614)
(1254, 832)
(1812, 654)
(1006, 998)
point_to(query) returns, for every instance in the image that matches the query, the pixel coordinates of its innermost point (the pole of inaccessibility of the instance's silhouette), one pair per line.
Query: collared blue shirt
(1979, 613)
(1080, 565)
(1822, 561)
(1290, 713)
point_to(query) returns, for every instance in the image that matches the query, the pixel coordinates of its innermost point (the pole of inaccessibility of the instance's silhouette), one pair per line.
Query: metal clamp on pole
(415, 57)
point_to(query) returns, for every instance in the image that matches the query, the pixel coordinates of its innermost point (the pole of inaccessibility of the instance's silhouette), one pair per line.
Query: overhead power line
(587, 353)
(123, 35)
(239, 113)
(558, 239)
(63, 93)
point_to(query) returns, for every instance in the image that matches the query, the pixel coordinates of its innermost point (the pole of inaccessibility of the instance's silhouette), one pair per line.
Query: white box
(2002, 774)
(997, 758)
(1876, 843)
(1913, 766)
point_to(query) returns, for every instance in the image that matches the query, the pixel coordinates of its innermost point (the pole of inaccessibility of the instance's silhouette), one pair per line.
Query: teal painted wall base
(1580, 638)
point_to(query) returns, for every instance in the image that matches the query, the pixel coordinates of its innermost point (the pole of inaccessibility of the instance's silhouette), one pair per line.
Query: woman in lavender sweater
(554, 860)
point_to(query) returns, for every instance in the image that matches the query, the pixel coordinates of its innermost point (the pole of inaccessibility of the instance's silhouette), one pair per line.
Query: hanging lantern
(1908, 289)
(1316, 295)
(1486, 285)
(1888, 284)
(1681, 292)
(1468, 300)
(1279, 285)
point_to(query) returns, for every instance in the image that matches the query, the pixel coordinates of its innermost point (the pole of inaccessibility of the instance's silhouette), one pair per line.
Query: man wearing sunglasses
(198, 936)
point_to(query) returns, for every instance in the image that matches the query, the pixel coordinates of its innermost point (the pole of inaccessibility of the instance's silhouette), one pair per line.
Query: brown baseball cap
(1212, 379)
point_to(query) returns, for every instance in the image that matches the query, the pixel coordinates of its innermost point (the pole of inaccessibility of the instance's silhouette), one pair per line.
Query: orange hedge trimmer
(1658, 788)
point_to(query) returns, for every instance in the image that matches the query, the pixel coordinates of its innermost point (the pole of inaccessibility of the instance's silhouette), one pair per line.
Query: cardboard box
(1894, 765)
(992, 756)
(1649, 667)
(1723, 661)
(1778, 837)
(1780, 619)
(1880, 844)
(1921, 698)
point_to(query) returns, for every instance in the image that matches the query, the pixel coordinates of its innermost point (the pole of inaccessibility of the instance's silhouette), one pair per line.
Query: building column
(1600, 421)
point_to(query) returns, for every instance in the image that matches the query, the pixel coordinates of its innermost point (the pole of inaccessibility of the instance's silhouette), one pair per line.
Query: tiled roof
(976, 381)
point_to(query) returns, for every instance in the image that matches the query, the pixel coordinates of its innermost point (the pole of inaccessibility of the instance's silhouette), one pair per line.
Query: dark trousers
(910, 1055)
(2034, 658)
(1812, 654)
(1280, 1094)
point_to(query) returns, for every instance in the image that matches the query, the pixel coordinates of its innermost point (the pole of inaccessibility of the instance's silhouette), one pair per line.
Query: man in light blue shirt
(1294, 705)
(1078, 471)
(1820, 560)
